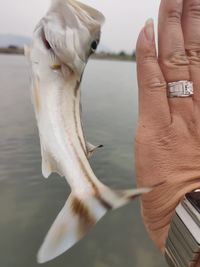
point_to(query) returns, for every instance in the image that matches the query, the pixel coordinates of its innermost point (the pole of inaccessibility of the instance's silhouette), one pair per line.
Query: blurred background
(124, 20)
(28, 202)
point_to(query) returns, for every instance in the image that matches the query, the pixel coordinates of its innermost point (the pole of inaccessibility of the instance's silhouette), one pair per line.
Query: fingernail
(149, 30)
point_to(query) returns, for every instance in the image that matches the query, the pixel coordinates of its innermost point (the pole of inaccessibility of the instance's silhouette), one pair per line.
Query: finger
(153, 104)
(191, 30)
(172, 56)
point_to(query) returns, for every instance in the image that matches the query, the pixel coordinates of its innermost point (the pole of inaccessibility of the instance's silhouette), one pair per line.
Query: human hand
(168, 136)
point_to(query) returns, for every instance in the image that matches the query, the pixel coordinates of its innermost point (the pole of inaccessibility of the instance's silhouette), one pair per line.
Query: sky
(124, 19)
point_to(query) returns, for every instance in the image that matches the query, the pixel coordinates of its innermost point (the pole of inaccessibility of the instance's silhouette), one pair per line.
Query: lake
(29, 203)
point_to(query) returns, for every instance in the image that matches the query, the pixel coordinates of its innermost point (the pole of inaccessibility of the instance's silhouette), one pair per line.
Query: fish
(63, 41)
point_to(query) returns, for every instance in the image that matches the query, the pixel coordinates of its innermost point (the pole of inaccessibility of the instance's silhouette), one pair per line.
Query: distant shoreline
(100, 56)
(12, 51)
(113, 57)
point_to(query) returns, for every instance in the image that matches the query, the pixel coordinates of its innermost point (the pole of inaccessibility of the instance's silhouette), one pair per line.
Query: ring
(180, 89)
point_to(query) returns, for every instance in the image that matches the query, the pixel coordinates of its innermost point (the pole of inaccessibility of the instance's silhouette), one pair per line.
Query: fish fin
(91, 149)
(46, 165)
(49, 165)
(80, 213)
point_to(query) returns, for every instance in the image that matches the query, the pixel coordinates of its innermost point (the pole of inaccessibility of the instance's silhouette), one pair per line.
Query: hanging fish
(63, 41)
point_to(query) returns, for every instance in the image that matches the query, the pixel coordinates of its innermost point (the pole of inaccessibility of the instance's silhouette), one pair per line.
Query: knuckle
(145, 54)
(194, 9)
(174, 15)
(154, 83)
(177, 58)
(148, 59)
(193, 56)
(157, 86)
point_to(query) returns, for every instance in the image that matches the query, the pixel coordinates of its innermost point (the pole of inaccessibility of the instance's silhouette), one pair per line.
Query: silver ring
(180, 89)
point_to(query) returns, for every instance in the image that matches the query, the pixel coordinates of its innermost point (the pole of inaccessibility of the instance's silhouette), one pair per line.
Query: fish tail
(80, 213)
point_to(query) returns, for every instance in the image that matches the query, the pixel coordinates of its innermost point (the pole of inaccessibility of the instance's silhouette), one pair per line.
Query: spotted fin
(80, 213)
(91, 149)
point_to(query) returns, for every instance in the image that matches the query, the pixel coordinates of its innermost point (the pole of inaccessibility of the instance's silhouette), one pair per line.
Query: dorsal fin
(91, 149)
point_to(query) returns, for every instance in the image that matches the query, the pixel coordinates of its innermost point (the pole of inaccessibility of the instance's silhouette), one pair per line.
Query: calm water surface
(29, 203)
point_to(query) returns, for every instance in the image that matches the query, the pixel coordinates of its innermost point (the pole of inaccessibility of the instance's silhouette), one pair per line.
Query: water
(29, 203)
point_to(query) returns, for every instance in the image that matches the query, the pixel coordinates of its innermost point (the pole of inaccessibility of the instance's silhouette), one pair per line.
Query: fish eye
(94, 45)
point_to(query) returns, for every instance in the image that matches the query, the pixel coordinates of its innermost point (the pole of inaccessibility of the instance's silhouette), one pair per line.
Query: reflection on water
(29, 203)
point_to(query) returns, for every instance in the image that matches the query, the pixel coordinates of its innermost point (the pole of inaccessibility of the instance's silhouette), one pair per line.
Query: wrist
(159, 205)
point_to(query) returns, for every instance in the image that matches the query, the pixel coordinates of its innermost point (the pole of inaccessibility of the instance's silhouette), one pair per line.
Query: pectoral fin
(46, 165)
(91, 149)
(49, 165)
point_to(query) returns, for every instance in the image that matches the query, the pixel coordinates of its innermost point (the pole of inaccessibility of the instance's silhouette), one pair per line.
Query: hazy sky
(124, 18)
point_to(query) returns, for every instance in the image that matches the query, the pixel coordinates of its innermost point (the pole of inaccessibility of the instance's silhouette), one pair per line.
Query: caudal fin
(80, 213)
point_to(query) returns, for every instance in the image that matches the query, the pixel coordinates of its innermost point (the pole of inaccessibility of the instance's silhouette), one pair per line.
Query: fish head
(67, 35)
